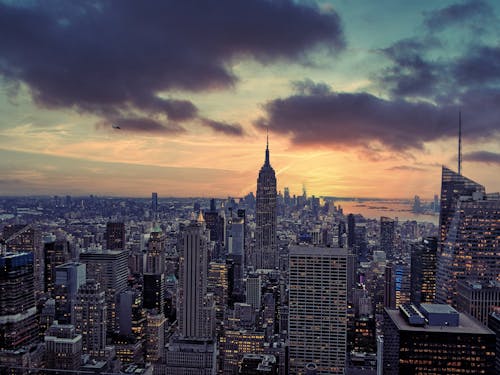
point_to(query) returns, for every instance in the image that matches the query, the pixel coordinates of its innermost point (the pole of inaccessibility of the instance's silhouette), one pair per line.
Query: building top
(466, 325)
(317, 251)
(436, 308)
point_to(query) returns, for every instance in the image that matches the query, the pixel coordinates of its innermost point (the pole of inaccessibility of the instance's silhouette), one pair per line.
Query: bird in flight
(115, 126)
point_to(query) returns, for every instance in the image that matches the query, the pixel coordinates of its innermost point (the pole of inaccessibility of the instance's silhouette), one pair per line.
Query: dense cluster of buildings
(267, 284)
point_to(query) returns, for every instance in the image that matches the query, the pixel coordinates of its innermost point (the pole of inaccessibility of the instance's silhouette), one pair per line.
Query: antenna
(267, 137)
(459, 142)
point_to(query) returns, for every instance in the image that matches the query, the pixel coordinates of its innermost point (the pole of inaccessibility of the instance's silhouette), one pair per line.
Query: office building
(423, 271)
(27, 238)
(110, 269)
(68, 279)
(435, 339)
(317, 309)
(469, 250)
(266, 251)
(154, 203)
(56, 253)
(494, 325)
(193, 350)
(196, 308)
(257, 364)
(234, 344)
(389, 286)
(155, 336)
(478, 299)
(253, 290)
(154, 292)
(63, 347)
(18, 325)
(115, 236)
(90, 318)
(387, 236)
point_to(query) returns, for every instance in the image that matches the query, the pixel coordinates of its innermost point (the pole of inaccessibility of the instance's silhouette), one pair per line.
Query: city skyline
(354, 98)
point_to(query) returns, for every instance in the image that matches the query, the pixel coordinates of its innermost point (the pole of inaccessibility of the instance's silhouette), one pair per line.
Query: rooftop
(466, 325)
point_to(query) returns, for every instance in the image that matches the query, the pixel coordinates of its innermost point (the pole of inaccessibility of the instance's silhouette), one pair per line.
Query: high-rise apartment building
(435, 339)
(18, 325)
(317, 309)
(266, 251)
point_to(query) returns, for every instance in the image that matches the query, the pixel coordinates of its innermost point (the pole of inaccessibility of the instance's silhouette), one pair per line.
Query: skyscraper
(18, 326)
(195, 310)
(470, 232)
(423, 271)
(115, 236)
(69, 278)
(90, 317)
(318, 309)
(110, 268)
(266, 252)
(387, 229)
(63, 347)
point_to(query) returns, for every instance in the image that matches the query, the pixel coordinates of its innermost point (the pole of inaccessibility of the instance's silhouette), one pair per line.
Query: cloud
(481, 66)
(315, 116)
(483, 157)
(113, 58)
(222, 127)
(457, 14)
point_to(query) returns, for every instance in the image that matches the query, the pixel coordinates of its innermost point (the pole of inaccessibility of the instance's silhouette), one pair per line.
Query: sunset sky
(361, 98)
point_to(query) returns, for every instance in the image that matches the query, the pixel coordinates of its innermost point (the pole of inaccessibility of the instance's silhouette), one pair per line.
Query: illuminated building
(56, 253)
(18, 325)
(63, 347)
(234, 344)
(477, 299)
(69, 278)
(423, 271)
(26, 238)
(90, 317)
(110, 269)
(155, 336)
(218, 285)
(494, 325)
(435, 339)
(318, 309)
(266, 251)
(470, 250)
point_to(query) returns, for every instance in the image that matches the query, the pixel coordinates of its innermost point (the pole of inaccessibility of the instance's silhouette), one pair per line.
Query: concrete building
(63, 347)
(318, 309)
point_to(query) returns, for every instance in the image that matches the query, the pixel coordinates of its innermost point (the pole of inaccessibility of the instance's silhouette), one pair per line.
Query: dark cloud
(480, 66)
(140, 125)
(222, 127)
(457, 14)
(115, 57)
(319, 117)
(483, 157)
(411, 74)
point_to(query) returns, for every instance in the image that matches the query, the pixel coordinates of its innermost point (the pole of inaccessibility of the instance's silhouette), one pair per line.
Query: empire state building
(266, 251)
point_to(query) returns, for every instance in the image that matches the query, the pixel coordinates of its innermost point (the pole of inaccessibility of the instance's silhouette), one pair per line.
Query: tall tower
(196, 310)
(266, 217)
(387, 229)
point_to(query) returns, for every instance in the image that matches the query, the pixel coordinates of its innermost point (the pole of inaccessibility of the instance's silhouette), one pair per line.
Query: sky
(360, 98)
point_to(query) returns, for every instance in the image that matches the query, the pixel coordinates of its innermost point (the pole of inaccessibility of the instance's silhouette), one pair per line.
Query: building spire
(459, 142)
(267, 146)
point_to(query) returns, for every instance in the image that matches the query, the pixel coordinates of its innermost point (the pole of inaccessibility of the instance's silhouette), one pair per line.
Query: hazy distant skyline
(361, 98)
